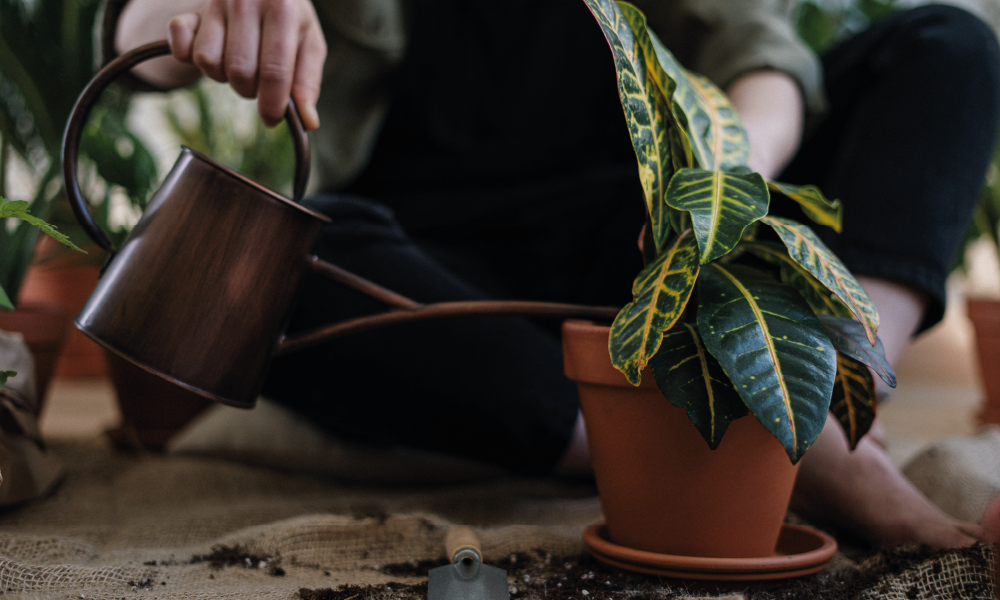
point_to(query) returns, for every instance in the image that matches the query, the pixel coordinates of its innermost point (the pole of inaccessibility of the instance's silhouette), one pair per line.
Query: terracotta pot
(44, 327)
(153, 409)
(69, 287)
(985, 316)
(662, 489)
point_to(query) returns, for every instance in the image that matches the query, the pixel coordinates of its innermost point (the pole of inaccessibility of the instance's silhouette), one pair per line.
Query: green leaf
(691, 378)
(13, 208)
(5, 300)
(5, 375)
(660, 293)
(644, 89)
(854, 402)
(816, 295)
(772, 347)
(708, 126)
(813, 203)
(728, 142)
(721, 204)
(805, 247)
(18, 209)
(848, 337)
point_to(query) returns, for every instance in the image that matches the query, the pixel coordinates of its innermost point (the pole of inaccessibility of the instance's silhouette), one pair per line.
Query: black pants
(913, 118)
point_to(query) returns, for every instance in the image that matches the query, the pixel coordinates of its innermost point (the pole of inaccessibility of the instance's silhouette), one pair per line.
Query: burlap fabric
(185, 527)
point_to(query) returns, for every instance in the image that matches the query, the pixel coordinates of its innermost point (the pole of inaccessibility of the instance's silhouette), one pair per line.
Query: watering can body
(192, 293)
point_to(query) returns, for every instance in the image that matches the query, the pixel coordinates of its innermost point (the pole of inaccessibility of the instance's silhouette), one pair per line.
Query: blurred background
(133, 138)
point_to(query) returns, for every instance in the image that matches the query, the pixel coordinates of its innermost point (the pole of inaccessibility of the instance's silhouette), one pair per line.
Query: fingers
(209, 41)
(308, 75)
(268, 49)
(242, 47)
(180, 35)
(279, 46)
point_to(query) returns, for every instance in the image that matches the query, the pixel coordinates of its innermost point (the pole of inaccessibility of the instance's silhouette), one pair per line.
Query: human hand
(268, 49)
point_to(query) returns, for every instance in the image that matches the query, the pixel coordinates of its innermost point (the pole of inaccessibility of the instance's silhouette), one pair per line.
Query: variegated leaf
(854, 404)
(660, 293)
(644, 90)
(729, 143)
(805, 247)
(848, 337)
(816, 295)
(772, 347)
(712, 126)
(721, 204)
(813, 203)
(692, 379)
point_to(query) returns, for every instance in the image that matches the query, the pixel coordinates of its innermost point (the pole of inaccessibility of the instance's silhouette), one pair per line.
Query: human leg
(912, 125)
(489, 388)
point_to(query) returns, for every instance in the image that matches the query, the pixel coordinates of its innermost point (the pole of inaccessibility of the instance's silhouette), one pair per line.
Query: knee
(953, 45)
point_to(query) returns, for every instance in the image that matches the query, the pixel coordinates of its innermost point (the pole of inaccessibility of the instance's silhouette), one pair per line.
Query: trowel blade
(446, 583)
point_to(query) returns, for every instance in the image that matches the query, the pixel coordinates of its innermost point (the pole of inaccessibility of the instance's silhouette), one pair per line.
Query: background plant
(19, 210)
(210, 118)
(46, 58)
(771, 331)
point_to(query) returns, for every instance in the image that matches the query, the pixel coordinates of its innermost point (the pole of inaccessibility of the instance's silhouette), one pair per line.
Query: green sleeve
(724, 39)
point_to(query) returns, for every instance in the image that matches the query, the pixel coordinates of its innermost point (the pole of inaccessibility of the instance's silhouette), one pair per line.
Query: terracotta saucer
(801, 551)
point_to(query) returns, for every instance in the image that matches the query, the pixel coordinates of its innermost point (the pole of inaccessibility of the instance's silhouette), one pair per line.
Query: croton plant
(736, 310)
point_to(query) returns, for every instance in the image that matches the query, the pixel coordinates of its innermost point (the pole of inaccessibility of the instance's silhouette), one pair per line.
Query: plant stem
(4, 157)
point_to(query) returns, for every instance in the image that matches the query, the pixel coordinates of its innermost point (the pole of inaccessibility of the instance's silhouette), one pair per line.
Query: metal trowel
(466, 578)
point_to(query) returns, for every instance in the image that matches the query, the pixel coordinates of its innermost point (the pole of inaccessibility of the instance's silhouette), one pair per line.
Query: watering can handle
(90, 95)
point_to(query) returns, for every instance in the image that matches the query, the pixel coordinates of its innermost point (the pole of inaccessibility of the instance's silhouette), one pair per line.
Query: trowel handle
(461, 537)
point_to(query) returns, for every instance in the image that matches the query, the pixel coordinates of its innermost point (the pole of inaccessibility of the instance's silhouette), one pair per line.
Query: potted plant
(746, 321)
(46, 57)
(984, 308)
(44, 336)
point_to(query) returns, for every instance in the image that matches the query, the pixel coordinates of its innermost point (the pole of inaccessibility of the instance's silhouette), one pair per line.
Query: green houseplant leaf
(692, 379)
(644, 90)
(5, 375)
(805, 247)
(660, 293)
(817, 296)
(729, 145)
(849, 338)
(772, 347)
(18, 209)
(5, 300)
(853, 403)
(813, 203)
(721, 204)
(712, 132)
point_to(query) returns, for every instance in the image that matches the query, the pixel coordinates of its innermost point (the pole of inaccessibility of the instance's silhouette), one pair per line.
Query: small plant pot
(662, 488)
(153, 409)
(44, 327)
(985, 317)
(69, 287)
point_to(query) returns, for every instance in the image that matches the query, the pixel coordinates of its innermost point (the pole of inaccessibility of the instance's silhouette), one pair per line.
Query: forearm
(771, 106)
(144, 21)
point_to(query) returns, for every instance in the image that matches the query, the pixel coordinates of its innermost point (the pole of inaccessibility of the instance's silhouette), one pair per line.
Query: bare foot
(865, 493)
(991, 521)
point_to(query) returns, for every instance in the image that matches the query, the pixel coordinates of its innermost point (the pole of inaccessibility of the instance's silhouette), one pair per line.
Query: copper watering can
(200, 291)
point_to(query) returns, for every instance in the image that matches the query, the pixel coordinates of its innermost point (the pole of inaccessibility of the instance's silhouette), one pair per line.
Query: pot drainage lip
(801, 551)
